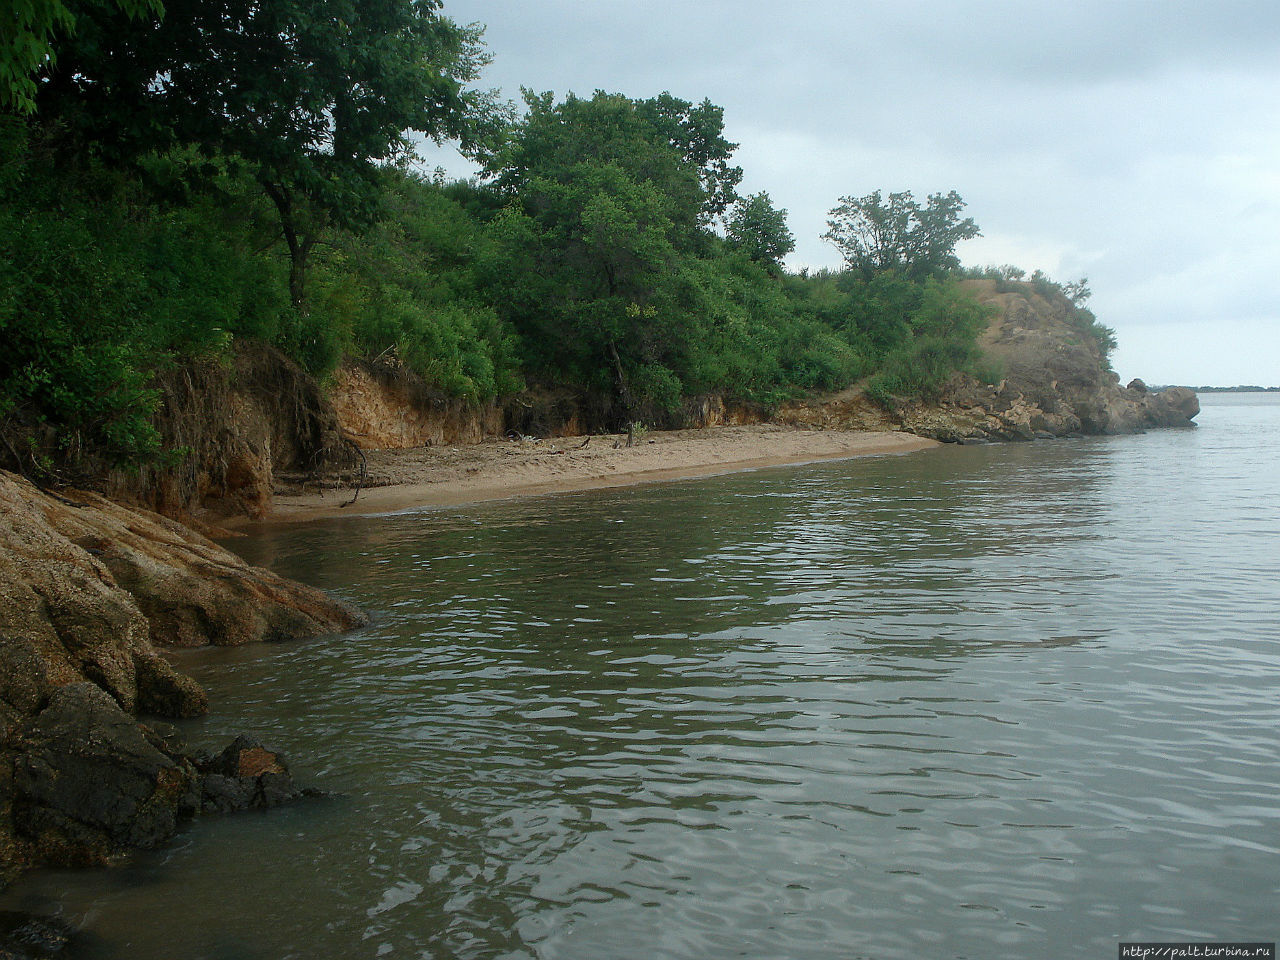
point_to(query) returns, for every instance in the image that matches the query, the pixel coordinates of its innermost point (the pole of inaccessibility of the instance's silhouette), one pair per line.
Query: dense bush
(100, 285)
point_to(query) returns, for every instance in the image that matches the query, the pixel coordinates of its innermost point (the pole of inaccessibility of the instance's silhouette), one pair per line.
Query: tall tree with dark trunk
(613, 192)
(312, 94)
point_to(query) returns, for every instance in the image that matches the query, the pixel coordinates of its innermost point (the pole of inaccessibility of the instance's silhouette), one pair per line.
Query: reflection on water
(975, 702)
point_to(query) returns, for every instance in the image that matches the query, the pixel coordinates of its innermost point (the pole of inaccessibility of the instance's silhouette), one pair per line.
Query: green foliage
(312, 95)
(28, 44)
(409, 289)
(612, 279)
(943, 325)
(1006, 276)
(873, 233)
(920, 368)
(675, 147)
(100, 289)
(610, 196)
(911, 335)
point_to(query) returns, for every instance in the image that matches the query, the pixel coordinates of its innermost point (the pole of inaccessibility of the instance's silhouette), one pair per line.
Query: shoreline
(459, 474)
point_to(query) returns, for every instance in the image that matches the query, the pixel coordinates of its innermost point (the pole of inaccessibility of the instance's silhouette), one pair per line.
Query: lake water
(986, 702)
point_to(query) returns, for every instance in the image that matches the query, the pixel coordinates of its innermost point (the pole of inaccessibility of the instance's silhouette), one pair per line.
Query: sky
(1132, 142)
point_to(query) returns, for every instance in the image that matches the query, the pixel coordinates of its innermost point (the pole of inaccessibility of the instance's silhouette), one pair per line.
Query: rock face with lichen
(88, 591)
(1054, 382)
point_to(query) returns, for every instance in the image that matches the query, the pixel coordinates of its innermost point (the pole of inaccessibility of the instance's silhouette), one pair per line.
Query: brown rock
(190, 591)
(1174, 405)
(255, 761)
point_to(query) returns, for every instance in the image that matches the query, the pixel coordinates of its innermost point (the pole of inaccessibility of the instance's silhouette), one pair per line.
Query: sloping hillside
(1054, 381)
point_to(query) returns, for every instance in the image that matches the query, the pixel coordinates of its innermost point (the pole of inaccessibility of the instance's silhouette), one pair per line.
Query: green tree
(697, 133)
(896, 233)
(671, 144)
(601, 242)
(608, 196)
(28, 43)
(312, 94)
(760, 231)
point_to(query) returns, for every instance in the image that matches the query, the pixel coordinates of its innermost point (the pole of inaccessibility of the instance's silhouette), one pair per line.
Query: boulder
(89, 781)
(246, 775)
(1174, 406)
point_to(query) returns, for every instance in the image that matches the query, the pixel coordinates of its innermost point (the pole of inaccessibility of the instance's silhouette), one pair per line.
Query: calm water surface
(1003, 701)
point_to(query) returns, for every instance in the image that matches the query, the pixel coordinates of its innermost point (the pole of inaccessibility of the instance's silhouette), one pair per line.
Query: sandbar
(455, 474)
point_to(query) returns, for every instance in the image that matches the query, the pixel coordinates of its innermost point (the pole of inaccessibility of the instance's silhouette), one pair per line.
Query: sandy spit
(503, 469)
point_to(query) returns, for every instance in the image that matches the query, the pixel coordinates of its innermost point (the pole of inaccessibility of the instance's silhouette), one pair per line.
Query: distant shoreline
(1241, 389)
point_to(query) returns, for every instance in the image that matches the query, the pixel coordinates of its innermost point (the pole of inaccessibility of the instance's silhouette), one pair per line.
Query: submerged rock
(28, 937)
(244, 776)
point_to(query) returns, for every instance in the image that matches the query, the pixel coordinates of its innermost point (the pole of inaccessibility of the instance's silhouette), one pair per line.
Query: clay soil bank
(500, 469)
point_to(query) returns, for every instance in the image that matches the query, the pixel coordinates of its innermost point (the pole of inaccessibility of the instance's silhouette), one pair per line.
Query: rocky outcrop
(1055, 382)
(88, 589)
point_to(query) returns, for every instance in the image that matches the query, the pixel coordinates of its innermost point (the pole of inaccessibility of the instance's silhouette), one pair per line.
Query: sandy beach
(501, 469)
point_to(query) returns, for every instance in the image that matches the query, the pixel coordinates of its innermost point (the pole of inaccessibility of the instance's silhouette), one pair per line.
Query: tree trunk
(623, 388)
(299, 246)
(298, 256)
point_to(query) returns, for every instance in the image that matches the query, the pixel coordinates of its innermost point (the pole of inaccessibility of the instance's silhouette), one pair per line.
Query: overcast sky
(1135, 143)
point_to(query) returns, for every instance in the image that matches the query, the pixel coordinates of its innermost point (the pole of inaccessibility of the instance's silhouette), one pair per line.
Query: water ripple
(988, 702)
